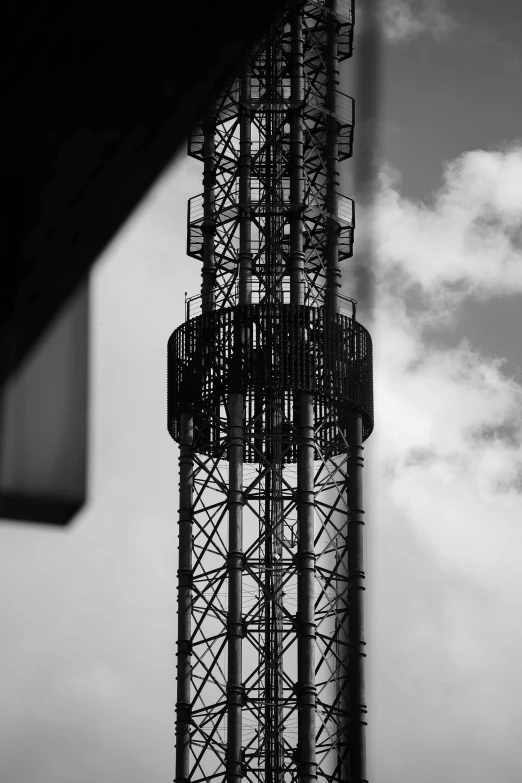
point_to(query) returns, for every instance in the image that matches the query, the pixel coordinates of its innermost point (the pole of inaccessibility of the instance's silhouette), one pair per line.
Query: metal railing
(344, 103)
(344, 209)
(345, 10)
(344, 108)
(225, 203)
(347, 305)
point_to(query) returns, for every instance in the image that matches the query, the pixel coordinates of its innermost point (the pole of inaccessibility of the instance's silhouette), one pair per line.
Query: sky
(88, 614)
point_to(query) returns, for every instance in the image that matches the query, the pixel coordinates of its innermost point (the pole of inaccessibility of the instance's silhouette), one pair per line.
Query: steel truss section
(270, 397)
(271, 346)
(248, 174)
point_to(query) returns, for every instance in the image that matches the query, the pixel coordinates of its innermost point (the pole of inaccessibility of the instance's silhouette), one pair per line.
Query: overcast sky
(87, 614)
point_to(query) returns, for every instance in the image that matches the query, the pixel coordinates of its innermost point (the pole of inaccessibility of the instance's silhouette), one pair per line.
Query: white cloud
(449, 418)
(467, 242)
(403, 20)
(449, 442)
(444, 482)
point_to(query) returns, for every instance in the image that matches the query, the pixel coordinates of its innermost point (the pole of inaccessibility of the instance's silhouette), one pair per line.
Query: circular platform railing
(277, 349)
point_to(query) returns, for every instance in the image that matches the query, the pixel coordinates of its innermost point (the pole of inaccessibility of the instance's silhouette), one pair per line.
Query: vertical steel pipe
(274, 578)
(245, 189)
(235, 451)
(186, 482)
(235, 596)
(208, 272)
(333, 272)
(356, 707)
(306, 599)
(296, 160)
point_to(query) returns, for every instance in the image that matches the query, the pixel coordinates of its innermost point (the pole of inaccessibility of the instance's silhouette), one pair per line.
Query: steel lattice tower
(270, 398)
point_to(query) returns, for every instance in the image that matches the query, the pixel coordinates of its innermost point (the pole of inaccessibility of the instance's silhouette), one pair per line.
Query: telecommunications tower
(270, 398)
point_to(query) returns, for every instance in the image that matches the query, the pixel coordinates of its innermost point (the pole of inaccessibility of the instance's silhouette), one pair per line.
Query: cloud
(466, 242)
(450, 415)
(403, 20)
(444, 480)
